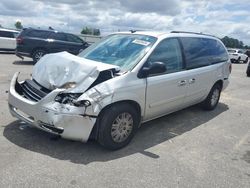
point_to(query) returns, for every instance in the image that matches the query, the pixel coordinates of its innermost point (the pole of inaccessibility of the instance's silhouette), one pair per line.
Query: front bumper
(61, 119)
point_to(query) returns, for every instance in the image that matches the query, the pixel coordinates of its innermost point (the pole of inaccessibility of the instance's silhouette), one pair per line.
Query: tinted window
(73, 38)
(58, 36)
(7, 34)
(38, 34)
(202, 52)
(169, 53)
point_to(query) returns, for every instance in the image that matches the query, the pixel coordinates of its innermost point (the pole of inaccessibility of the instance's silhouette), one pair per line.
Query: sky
(220, 18)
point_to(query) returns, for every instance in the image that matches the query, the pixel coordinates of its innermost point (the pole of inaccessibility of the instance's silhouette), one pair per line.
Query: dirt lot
(190, 148)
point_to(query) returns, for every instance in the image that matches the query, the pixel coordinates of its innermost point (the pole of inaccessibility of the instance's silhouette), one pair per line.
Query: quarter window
(73, 38)
(168, 52)
(7, 34)
(201, 52)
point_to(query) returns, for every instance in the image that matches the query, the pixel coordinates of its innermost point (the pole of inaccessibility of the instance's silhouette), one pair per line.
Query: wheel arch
(38, 48)
(219, 82)
(136, 105)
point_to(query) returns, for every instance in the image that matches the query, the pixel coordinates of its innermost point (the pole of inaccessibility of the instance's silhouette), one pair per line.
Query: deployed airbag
(54, 70)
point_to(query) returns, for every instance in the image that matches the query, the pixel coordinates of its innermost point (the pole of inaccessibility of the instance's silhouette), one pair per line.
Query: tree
(18, 25)
(90, 31)
(96, 32)
(86, 31)
(1, 26)
(232, 43)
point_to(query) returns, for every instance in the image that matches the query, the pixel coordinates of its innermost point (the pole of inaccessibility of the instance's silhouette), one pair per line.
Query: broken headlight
(68, 85)
(71, 98)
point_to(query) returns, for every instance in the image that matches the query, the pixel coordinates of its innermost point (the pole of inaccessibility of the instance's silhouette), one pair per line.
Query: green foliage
(90, 31)
(233, 43)
(18, 25)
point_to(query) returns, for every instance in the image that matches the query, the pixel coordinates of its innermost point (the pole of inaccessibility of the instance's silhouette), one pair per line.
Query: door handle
(191, 81)
(182, 82)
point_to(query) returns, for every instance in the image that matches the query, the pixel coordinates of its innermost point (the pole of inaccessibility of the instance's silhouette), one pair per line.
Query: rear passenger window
(168, 52)
(201, 52)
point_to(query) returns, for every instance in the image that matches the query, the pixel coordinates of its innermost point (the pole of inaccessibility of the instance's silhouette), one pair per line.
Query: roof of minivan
(161, 34)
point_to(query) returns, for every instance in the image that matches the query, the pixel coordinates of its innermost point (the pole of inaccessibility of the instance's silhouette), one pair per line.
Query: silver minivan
(116, 84)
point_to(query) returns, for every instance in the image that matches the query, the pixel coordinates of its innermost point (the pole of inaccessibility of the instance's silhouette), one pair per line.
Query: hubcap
(38, 55)
(215, 97)
(122, 127)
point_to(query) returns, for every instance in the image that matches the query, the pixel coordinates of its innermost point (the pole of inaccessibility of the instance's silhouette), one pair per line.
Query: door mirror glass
(154, 68)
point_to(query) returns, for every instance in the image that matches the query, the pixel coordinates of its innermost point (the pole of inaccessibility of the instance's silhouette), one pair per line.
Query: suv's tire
(37, 54)
(246, 60)
(117, 125)
(238, 60)
(248, 71)
(212, 99)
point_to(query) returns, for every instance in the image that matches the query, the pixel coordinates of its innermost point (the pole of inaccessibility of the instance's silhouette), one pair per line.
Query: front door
(165, 92)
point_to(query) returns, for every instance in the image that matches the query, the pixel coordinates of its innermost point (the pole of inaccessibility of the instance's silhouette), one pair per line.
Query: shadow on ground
(7, 52)
(150, 134)
(23, 62)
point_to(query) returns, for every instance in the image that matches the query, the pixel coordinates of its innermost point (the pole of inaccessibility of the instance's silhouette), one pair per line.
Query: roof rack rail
(135, 30)
(192, 33)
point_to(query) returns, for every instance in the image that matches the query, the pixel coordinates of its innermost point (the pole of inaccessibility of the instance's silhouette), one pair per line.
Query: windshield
(123, 50)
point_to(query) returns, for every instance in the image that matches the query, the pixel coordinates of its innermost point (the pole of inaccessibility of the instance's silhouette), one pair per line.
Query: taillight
(19, 40)
(230, 67)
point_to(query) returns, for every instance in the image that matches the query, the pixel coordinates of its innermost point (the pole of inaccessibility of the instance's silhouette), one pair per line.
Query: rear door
(203, 57)
(56, 42)
(165, 92)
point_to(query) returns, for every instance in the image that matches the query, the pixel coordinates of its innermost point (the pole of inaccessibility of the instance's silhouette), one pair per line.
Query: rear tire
(238, 60)
(38, 54)
(117, 126)
(212, 99)
(248, 71)
(246, 61)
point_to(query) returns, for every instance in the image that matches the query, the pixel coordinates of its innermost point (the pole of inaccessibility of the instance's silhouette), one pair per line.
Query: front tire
(117, 126)
(213, 98)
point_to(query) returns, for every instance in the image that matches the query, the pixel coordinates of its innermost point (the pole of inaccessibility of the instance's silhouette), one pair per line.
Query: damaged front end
(54, 100)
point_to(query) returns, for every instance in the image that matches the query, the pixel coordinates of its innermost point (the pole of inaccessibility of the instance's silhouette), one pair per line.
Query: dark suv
(35, 43)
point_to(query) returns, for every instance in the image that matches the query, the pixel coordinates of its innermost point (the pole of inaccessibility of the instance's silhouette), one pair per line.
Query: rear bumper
(60, 119)
(21, 54)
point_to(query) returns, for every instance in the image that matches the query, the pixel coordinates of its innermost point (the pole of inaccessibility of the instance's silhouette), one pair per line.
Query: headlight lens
(68, 85)
(65, 98)
(71, 98)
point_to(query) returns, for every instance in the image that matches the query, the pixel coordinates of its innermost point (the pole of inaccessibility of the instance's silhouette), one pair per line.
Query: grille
(32, 90)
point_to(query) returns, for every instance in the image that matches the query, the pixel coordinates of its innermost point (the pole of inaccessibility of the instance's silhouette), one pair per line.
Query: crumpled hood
(54, 70)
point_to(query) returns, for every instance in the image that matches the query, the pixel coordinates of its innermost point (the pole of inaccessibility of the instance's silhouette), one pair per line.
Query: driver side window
(168, 52)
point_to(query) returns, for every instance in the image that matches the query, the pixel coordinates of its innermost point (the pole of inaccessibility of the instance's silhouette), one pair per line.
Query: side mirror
(155, 68)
